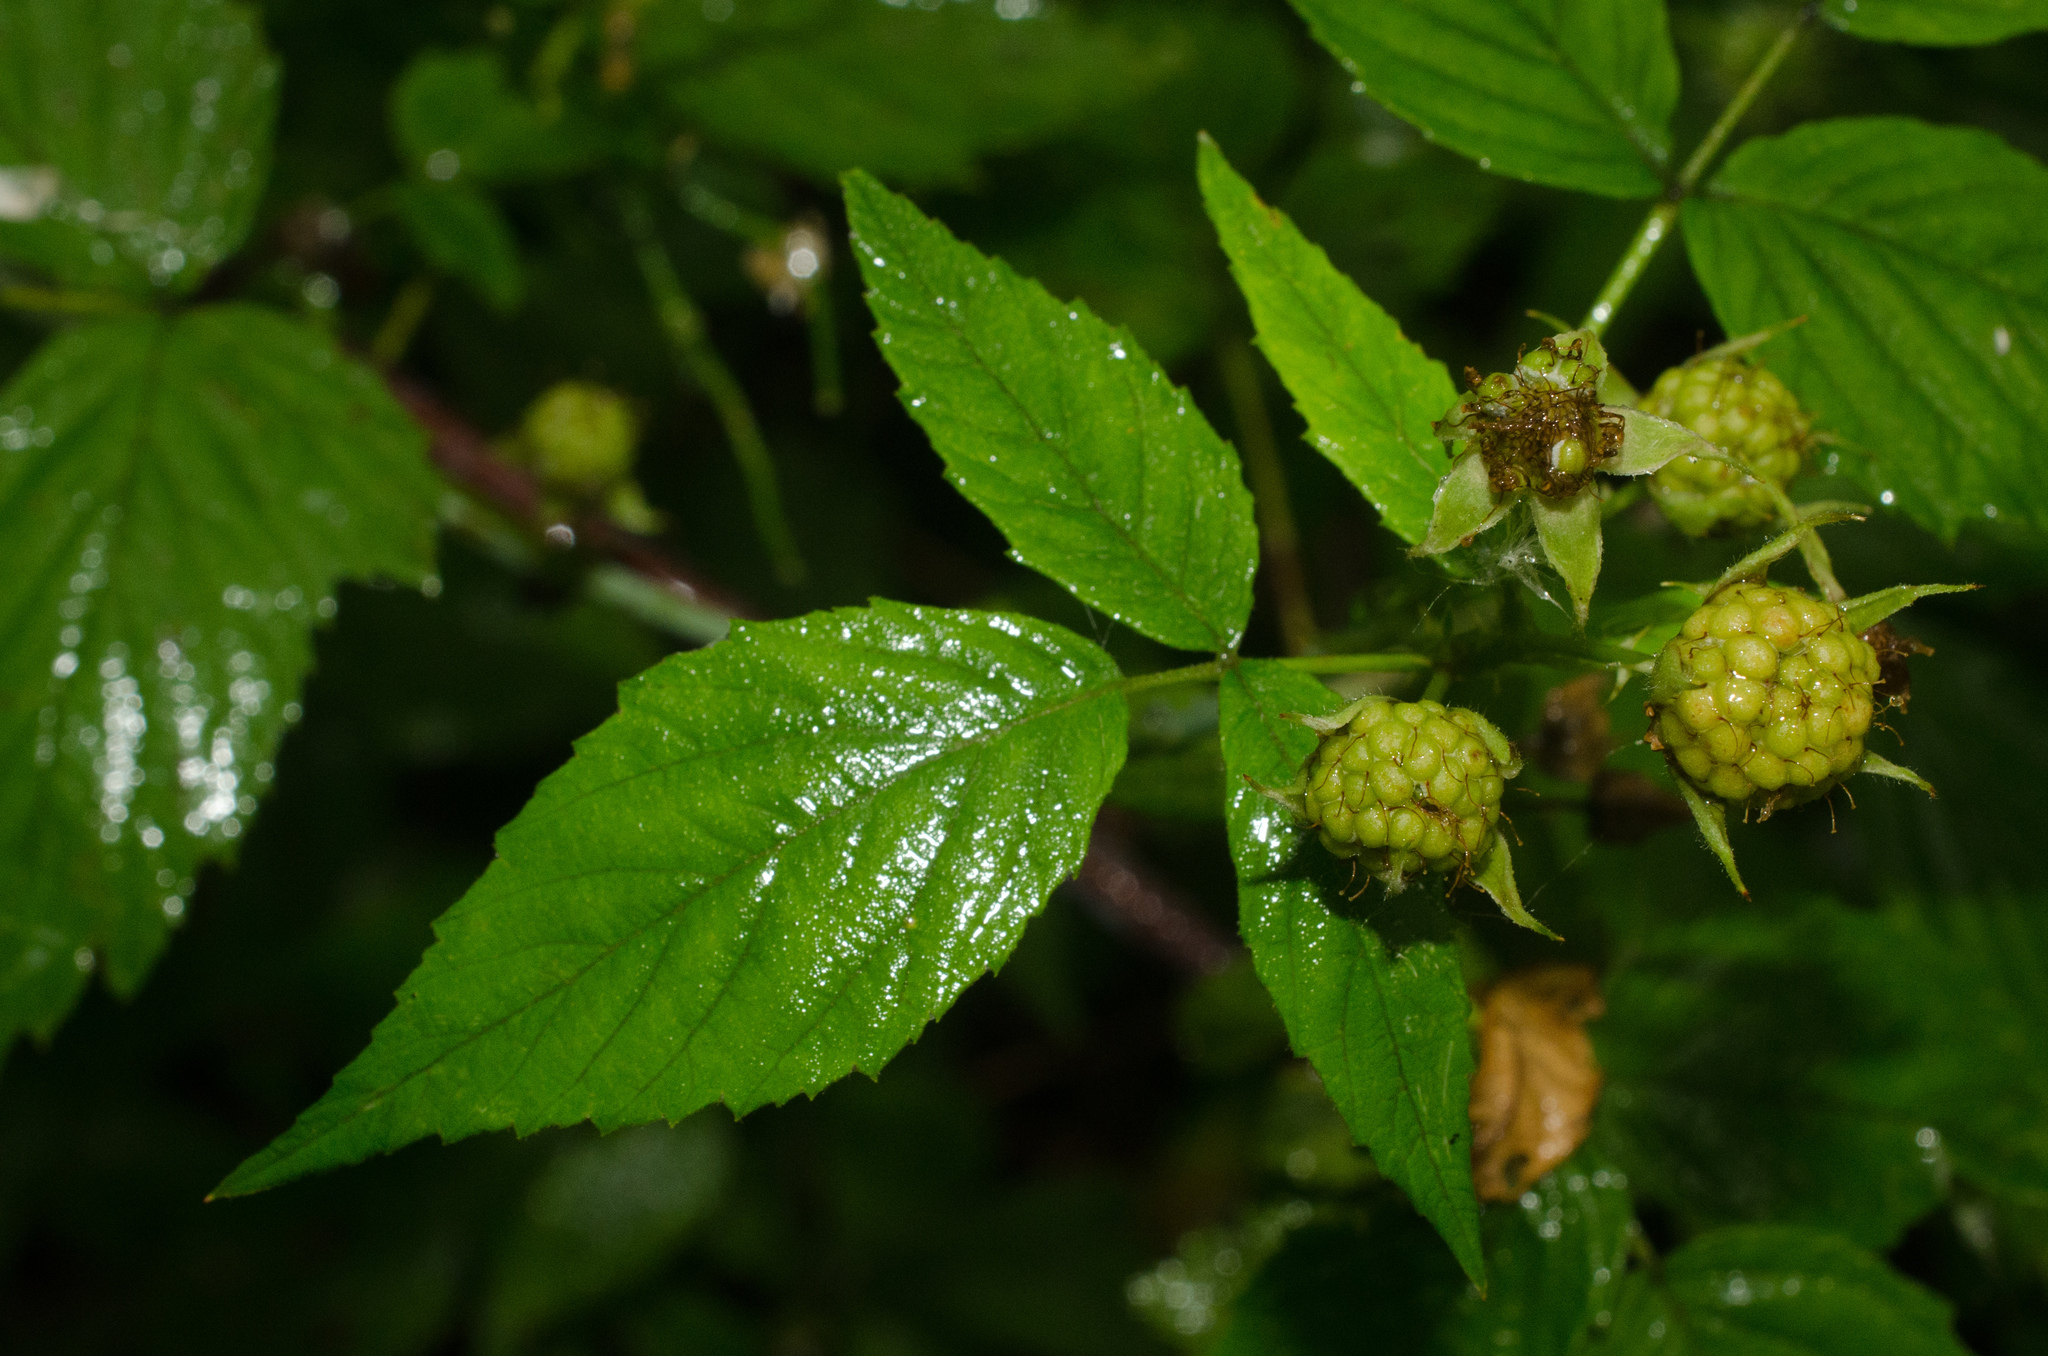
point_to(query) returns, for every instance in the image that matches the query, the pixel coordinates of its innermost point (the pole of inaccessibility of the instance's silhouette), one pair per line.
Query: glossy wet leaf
(180, 498)
(1739, 1052)
(155, 116)
(1102, 473)
(1377, 1007)
(1910, 251)
(916, 95)
(1776, 1290)
(462, 233)
(1369, 395)
(455, 115)
(1577, 94)
(784, 856)
(1556, 1256)
(1936, 23)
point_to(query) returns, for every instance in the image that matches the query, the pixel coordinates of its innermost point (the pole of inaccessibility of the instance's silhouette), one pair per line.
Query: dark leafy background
(1094, 1152)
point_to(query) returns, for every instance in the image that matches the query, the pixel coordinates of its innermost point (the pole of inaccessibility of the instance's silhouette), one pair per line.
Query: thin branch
(1124, 892)
(1279, 540)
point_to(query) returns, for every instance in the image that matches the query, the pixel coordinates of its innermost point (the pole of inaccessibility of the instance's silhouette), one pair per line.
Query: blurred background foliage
(1097, 1151)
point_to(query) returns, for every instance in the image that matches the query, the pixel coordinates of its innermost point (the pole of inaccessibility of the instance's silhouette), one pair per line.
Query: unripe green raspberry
(579, 437)
(1764, 696)
(1746, 412)
(1540, 427)
(1409, 786)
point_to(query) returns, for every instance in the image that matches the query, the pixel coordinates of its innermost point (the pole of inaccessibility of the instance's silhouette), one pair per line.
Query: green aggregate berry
(1540, 427)
(1408, 786)
(580, 437)
(1764, 697)
(1749, 414)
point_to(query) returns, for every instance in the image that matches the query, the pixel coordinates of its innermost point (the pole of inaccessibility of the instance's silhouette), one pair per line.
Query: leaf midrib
(369, 1101)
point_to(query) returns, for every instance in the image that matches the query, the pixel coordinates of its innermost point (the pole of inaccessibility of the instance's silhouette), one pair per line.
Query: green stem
(699, 362)
(1214, 669)
(51, 301)
(1439, 683)
(1649, 238)
(828, 395)
(1657, 226)
(1357, 663)
(1279, 540)
(402, 321)
(1812, 550)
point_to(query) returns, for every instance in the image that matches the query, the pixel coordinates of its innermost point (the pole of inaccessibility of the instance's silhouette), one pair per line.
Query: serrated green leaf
(155, 116)
(785, 855)
(1911, 251)
(1860, 614)
(1101, 472)
(1378, 1008)
(1556, 1258)
(914, 95)
(461, 232)
(1369, 395)
(1774, 1290)
(1937, 23)
(179, 498)
(1576, 94)
(454, 115)
(1570, 533)
(1716, 1111)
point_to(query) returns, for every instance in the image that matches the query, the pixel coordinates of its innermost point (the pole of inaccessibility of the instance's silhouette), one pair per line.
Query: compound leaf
(1369, 395)
(1379, 1009)
(1910, 250)
(179, 498)
(1101, 472)
(916, 95)
(462, 232)
(783, 856)
(1556, 1257)
(1574, 93)
(454, 115)
(146, 126)
(1937, 23)
(1781, 1290)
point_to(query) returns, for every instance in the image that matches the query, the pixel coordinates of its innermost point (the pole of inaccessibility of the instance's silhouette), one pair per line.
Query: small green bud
(579, 437)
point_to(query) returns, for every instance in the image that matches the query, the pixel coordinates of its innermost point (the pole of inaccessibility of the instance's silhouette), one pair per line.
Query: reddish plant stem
(1124, 892)
(465, 457)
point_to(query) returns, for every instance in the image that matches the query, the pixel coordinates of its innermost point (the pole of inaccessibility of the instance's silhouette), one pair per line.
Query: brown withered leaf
(1534, 1090)
(1576, 735)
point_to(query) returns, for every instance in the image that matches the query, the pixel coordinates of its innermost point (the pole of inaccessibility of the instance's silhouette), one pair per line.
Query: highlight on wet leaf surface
(154, 176)
(1377, 1007)
(1556, 1257)
(1537, 1081)
(1781, 1289)
(184, 496)
(787, 854)
(1102, 473)
(1906, 246)
(1369, 394)
(1936, 23)
(1576, 95)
